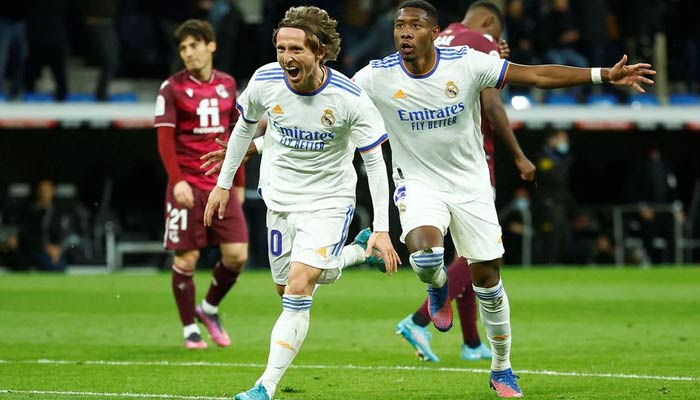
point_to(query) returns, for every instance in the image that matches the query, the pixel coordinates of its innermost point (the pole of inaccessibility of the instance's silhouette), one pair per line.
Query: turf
(118, 336)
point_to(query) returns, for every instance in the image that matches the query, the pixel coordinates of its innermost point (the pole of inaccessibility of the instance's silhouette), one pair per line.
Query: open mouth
(293, 72)
(406, 48)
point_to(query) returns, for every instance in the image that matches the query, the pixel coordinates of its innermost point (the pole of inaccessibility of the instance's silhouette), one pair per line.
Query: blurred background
(618, 173)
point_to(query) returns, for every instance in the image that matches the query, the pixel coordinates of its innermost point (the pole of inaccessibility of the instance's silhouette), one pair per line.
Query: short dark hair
(492, 8)
(423, 5)
(198, 29)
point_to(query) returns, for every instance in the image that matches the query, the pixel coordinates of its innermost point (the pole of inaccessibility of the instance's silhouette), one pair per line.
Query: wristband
(596, 78)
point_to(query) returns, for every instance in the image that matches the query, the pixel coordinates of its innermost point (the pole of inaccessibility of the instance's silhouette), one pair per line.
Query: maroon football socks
(183, 289)
(221, 282)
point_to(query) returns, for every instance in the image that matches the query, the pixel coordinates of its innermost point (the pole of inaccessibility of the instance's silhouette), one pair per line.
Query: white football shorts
(314, 238)
(473, 224)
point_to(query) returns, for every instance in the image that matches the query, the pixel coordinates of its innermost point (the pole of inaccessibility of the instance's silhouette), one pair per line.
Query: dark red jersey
(200, 112)
(457, 34)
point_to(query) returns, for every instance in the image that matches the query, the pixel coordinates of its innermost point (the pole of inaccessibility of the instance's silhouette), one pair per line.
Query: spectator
(374, 45)
(521, 30)
(43, 228)
(237, 50)
(514, 223)
(48, 43)
(553, 201)
(560, 36)
(653, 182)
(104, 43)
(13, 36)
(593, 21)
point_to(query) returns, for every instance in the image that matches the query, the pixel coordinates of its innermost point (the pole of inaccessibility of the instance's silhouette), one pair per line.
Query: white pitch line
(353, 367)
(98, 394)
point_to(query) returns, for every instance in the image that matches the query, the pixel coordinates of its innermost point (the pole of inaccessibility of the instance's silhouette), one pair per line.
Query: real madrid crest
(328, 119)
(451, 90)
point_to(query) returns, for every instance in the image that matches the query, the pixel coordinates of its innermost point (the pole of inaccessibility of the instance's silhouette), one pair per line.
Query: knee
(234, 260)
(486, 274)
(186, 260)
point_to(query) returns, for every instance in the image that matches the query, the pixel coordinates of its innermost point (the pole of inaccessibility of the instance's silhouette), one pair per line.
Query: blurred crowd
(45, 227)
(133, 39)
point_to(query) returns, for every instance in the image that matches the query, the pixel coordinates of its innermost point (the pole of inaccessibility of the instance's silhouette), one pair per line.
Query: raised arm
(559, 76)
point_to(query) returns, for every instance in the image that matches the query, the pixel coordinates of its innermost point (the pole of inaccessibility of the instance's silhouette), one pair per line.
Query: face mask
(521, 203)
(563, 148)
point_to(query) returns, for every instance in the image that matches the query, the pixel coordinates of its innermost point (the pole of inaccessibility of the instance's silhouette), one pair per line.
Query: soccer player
(480, 30)
(194, 107)
(429, 99)
(316, 119)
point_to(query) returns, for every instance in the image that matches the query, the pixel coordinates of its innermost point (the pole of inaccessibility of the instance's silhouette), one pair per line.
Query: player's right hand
(218, 198)
(215, 158)
(382, 242)
(183, 194)
(503, 49)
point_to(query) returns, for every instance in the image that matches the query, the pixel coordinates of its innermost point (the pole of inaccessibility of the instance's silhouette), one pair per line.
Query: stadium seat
(646, 99)
(556, 99)
(602, 99)
(685, 99)
(38, 97)
(126, 97)
(80, 98)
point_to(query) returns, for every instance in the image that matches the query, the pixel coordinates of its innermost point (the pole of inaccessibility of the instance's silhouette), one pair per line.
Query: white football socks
(208, 308)
(429, 266)
(495, 315)
(287, 337)
(190, 329)
(352, 254)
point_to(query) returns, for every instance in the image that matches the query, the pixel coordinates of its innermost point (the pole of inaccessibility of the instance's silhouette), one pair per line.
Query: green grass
(586, 321)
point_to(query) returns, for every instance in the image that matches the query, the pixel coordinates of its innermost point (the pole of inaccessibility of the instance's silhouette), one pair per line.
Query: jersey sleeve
(234, 110)
(367, 126)
(486, 71)
(166, 111)
(363, 79)
(249, 103)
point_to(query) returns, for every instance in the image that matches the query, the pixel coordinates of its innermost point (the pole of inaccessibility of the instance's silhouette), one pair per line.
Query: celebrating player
(316, 119)
(480, 30)
(429, 99)
(194, 107)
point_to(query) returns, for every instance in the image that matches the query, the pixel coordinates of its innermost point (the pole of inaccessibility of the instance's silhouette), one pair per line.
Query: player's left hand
(503, 49)
(631, 75)
(382, 242)
(526, 168)
(218, 198)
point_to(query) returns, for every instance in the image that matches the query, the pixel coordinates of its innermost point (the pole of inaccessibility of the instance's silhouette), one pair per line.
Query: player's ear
(489, 21)
(435, 32)
(211, 46)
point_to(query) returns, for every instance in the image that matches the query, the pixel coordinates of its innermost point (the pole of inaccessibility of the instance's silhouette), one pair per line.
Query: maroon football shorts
(185, 230)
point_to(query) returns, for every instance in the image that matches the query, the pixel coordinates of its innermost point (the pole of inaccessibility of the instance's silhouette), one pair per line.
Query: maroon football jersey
(457, 34)
(200, 112)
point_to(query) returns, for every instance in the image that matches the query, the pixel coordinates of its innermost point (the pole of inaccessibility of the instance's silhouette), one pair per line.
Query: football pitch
(578, 333)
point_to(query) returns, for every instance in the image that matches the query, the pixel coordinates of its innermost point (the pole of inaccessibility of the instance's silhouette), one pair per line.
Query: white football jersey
(310, 138)
(434, 120)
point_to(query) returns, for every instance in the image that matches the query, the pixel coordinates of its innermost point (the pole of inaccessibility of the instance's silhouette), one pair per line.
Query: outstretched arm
(496, 114)
(559, 76)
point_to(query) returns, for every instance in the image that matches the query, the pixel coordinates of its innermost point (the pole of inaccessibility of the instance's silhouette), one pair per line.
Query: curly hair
(319, 28)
